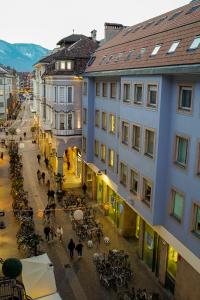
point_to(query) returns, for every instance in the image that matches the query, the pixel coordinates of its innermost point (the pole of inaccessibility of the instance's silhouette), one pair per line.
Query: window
(177, 205)
(173, 47)
(123, 174)
(84, 115)
(113, 90)
(193, 8)
(84, 144)
(104, 121)
(125, 133)
(62, 94)
(62, 65)
(96, 148)
(181, 151)
(127, 92)
(149, 143)
(185, 98)
(55, 94)
(175, 15)
(155, 50)
(112, 123)
(104, 89)
(117, 163)
(69, 94)
(195, 44)
(161, 20)
(138, 93)
(85, 88)
(136, 138)
(1, 104)
(69, 65)
(1, 92)
(111, 156)
(196, 220)
(97, 89)
(152, 92)
(147, 191)
(62, 121)
(198, 159)
(103, 153)
(97, 118)
(134, 180)
(69, 121)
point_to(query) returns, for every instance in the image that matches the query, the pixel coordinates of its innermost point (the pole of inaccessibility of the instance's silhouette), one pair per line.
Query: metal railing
(67, 132)
(12, 289)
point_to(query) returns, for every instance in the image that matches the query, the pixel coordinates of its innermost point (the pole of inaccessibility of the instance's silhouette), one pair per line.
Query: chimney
(111, 30)
(94, 34)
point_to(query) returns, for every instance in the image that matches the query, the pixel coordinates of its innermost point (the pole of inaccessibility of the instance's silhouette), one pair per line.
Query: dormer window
(64, 65)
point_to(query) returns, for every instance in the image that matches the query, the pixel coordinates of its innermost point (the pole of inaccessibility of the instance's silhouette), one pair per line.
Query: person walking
(43, 177)
(49, 195)
(71, 247)
(24, 134)
(79, 249)
(84, 188)
(46, 161)
(39, 176)
(48, 184)
(59, 232)
(53, 195)
(52, 232)
(1, 155)
(47, 232)
(39, 158)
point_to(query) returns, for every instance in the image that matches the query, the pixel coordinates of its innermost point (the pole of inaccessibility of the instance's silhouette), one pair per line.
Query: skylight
(148, 24)
(192, 9)
(161, 20)
(173, 47)
(128, 57)
(195, 44)
(175, 15)
(155, 50)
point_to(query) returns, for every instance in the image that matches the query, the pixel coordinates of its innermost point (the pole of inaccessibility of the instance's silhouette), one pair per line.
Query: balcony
(67, 132)
(12, 289)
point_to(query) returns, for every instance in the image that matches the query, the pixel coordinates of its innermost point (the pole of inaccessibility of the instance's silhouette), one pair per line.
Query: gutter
(183, 69)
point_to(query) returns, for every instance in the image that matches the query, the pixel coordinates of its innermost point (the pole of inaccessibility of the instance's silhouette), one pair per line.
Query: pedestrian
(84, 188)
(24, 134)
(47, 212)
(48, 194)
(79, 249)
(39, 175)
(46, 161)
(43, 177)
(48, 184)
(53, 208)
(47, 232)
(1, 155)
(52, 194)
(52, 232)
(71, 247)
(38, 158)
(68, 165)
(31, 212)
(59, 233)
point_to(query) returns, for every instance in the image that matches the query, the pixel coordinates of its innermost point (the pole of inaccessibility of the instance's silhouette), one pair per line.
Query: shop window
(185, 99)
(125, 133)
(198, 159)
(138, 93)
(123, 174)
(134, 182)
(112, 123)
(113, 90)
(103, 153)
(181, 151)
(97, 88)
(104, 121)
(147, 191)
(177, 205)
(111, 157)
(104, 89)
(152, 94)
(127, 92)
(96, 148)
(97, 118)
(84, 144)
(149, 143)
(136, 137)
(196, 220)
(84, 115)
(85, 87)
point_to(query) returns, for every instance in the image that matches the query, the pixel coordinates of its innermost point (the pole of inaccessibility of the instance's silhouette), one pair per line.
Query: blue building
(141, 141)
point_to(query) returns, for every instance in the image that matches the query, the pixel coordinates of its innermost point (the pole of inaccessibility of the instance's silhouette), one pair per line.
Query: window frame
(155, 50)
(110, 123)
(192, 48)
(137, 84)
(104, 89)
(148, 104)
(97, 88)
(84, 144)
(85, 88)
(103, 159)
(109, 151)
(136, 193)
(173, 193)
(123, 122)
(67, 94)
(126, 100)
(195, 207)
(84, 115)
(197, 171)
(138, 149)
(181, 108)
(97, 124)
(148, 180)
(96, 147)
(120, 174)
(171, 47)
(104, 126)
(111, 94)
(147, 154)
(178, 164)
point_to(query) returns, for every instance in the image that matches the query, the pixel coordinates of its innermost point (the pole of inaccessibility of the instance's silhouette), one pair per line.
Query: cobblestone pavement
(77, 279)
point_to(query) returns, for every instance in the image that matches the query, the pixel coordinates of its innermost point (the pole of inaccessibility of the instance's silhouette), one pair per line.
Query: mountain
(20, 56)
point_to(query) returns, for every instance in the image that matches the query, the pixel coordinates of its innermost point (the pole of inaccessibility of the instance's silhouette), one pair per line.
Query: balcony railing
(67, 132)
(12, 289)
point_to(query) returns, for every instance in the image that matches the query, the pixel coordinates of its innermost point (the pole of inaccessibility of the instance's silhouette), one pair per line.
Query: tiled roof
(71, 39)
(124, 50)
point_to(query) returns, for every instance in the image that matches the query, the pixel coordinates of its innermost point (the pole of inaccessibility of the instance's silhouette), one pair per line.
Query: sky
(45, 22)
